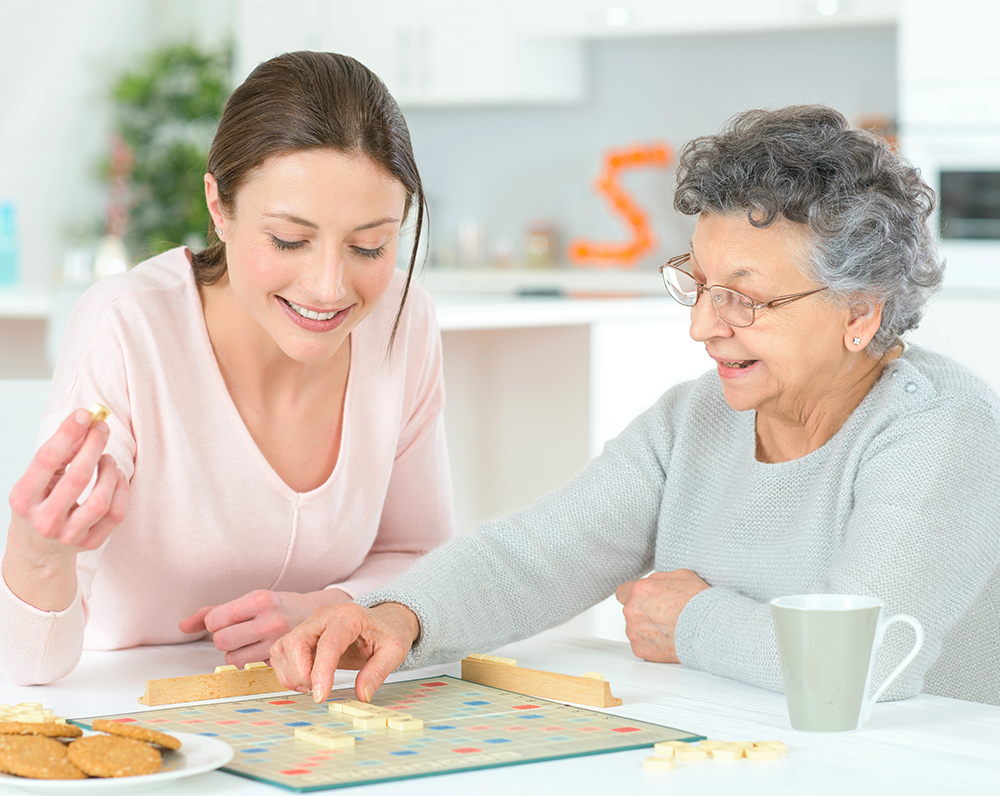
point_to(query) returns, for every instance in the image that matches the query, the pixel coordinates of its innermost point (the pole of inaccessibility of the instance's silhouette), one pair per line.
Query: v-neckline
(229, 408)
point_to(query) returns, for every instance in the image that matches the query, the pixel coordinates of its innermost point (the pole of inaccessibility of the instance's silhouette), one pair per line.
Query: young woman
(275, 440)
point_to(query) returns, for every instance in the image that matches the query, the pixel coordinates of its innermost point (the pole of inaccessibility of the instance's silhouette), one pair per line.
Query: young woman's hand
(374, 640)
(246, 628)
(50, 524)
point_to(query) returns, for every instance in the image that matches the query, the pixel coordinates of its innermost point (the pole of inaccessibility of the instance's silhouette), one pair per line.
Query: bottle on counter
(9, 250)
(541, 247)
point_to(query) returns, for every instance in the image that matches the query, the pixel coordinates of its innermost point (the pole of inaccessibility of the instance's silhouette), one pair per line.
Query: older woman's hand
(652, 607)
(346, 636)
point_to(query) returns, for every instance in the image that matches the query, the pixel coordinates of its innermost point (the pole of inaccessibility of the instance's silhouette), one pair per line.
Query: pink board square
(291, 772)
(625, 729)
(526, 707)
(468, 750)
(261, 723)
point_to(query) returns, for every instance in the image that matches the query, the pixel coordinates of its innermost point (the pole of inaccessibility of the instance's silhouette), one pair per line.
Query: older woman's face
(792, 361)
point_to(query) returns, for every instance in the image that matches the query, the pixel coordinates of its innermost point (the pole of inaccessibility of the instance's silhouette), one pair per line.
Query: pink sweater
(208, 519)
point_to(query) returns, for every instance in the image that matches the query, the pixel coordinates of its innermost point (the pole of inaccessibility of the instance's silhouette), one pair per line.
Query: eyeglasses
(733, 307)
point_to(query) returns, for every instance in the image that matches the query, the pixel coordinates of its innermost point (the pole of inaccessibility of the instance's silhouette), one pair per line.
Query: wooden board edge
(221, 685)
(594, 693)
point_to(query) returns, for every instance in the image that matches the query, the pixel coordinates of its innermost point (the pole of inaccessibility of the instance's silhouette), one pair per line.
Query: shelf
(25, 303)
(574, 282)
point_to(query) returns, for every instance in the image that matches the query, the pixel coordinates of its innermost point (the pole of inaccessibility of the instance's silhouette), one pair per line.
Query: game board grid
(466, 727)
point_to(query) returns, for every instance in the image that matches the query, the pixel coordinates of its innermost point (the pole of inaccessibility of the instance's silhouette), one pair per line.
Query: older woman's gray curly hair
(866, 205)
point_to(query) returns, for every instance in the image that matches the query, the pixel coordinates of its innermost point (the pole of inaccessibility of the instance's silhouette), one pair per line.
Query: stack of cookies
(40, 746)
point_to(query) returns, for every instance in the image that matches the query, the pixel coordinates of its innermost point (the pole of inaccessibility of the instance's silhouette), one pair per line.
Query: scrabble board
(466, 727)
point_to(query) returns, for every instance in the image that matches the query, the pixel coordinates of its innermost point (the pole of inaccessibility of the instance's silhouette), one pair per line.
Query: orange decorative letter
(584, 252)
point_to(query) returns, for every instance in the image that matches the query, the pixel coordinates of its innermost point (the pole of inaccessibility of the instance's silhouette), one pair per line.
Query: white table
(924, 745)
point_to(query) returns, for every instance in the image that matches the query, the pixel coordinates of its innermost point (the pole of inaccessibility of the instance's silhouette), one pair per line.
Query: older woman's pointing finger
(345, 636)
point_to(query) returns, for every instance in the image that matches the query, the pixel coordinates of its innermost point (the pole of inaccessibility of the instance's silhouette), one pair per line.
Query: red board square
(624, 729)
(466, 750)
(293, 771)
(526, 707)
(283, 702)
(433, 685)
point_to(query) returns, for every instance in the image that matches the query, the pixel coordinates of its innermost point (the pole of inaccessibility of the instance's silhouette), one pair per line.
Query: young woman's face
(311, 246)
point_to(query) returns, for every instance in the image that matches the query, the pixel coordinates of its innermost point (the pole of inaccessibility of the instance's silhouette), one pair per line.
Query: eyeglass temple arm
(783, 300)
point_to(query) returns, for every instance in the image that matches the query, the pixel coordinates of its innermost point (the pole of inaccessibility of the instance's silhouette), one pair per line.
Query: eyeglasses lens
(734, 308)
(681, 286)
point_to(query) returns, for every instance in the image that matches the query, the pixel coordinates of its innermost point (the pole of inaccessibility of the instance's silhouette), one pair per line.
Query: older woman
(821, 455)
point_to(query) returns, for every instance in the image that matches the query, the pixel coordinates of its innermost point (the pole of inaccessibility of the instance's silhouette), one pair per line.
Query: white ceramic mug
(827, 645)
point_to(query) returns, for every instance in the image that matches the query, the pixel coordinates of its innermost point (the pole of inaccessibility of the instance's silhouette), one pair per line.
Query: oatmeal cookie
(111, 756)
(37, 758)
(51, 729)
(137, 731)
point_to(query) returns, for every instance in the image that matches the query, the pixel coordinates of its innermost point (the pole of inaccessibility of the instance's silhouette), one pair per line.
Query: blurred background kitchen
(555, 325)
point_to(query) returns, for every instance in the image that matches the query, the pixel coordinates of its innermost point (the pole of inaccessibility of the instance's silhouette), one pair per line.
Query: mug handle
(917, 644)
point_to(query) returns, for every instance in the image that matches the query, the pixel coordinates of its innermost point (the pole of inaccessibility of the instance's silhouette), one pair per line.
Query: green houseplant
(165, 114)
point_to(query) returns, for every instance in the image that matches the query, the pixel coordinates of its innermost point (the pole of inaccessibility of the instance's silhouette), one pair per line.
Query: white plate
(198, 754)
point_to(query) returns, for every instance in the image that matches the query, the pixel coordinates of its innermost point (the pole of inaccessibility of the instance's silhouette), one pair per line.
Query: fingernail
(369, 692)
(82, 417)
(318, 691)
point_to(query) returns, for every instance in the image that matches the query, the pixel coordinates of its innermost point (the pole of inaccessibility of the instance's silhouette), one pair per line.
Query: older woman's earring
(857, 340)
(218, 234)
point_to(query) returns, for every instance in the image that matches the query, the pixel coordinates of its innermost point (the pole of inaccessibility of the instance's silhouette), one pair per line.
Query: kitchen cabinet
(537, 386)
(949, 75)
(430, 53)
(600, 19)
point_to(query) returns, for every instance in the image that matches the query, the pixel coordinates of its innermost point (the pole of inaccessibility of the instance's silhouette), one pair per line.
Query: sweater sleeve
(38, 647)
(417, 513)
(537, 568)
(921, 536)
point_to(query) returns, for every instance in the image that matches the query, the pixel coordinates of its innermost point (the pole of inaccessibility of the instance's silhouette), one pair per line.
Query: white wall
(58, 59)
(502, 166)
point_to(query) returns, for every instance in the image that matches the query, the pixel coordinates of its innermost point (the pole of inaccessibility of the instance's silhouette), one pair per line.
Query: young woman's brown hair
(309, 100)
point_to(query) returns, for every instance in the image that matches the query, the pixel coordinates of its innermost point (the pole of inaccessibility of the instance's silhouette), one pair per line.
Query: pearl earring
(857, 340)
(218, 233)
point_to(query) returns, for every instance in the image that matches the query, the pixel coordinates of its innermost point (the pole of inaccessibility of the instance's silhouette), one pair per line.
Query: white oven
(964, 171)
